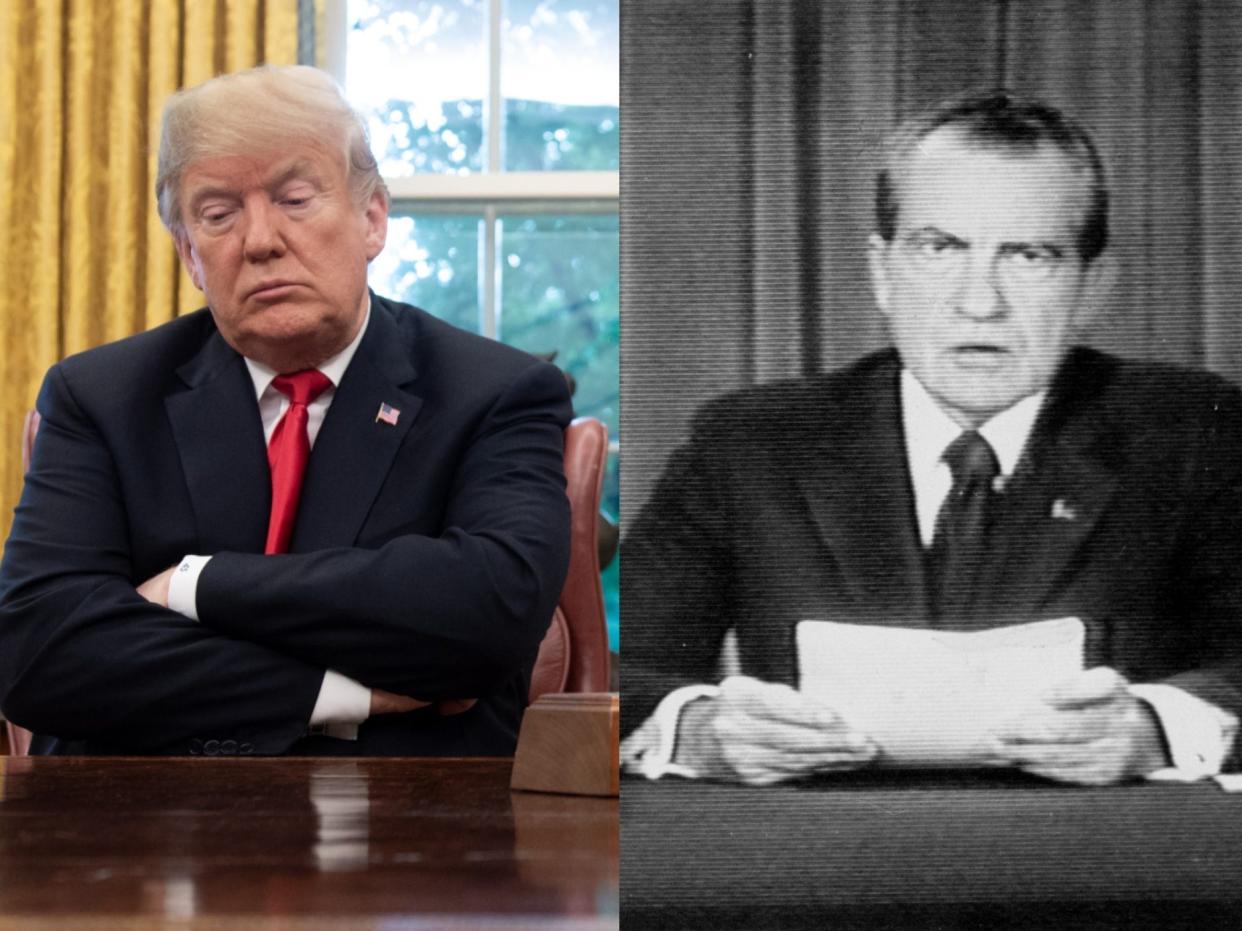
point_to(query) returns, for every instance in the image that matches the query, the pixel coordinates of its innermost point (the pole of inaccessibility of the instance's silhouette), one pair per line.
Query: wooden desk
(905, 850)
(297, 844)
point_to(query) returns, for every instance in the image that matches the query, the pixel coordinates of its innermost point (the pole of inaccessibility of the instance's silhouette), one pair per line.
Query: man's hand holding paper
(762, 733)
(935, 698)
(1087, 729)
(1007, 697)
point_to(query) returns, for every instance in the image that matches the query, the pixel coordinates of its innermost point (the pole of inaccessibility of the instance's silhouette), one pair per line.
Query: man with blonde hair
(303, 519)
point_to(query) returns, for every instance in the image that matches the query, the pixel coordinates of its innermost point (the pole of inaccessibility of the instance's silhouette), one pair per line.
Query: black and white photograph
(932, 498)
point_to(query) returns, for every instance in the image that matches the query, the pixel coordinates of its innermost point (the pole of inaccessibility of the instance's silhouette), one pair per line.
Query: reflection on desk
(297, 844)
(936, 850)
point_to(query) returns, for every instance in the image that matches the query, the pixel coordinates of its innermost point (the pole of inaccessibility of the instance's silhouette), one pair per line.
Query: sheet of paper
(1230, 782)
(931, 697)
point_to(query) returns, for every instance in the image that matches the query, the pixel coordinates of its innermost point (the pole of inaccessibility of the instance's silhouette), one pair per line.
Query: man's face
(982, 285)
(280, 250)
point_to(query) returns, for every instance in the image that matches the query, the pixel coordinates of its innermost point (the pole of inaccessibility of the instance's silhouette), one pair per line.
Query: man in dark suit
(302, 509)
(981, 474)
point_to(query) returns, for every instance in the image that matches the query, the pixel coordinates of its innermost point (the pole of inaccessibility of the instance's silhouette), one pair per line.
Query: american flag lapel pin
(388, 414)
(1063, 511)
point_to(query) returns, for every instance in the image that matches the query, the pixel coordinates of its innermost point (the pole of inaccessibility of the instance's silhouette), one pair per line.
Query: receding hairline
(1003, 122)
(951, 139)
(966, 136)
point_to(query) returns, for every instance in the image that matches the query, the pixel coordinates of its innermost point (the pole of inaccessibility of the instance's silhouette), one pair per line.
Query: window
(495, 123)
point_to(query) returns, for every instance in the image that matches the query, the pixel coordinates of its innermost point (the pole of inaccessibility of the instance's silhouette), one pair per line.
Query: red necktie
(288, 451)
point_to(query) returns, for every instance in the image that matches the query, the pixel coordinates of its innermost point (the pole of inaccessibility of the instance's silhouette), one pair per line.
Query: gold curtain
(83, 256)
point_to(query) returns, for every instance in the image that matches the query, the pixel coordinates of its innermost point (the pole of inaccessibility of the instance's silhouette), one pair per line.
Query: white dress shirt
(928, 433)
(343, 703)
(1199, 734)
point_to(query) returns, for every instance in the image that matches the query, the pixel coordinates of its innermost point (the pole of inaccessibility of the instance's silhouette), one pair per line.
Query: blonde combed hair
(267, 108)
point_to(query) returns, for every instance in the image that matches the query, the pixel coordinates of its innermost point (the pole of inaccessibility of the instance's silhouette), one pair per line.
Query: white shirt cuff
(1199, 734)
(183, 586)
(649, 750)
(342, 705)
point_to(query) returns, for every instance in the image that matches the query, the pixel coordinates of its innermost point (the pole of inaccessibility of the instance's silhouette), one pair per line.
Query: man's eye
(216, 216)
(1033, 258)
(937, 247)
(296, 197)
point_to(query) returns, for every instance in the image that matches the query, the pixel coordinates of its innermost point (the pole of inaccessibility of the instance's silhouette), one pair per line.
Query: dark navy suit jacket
(793, 502)
(426, 560)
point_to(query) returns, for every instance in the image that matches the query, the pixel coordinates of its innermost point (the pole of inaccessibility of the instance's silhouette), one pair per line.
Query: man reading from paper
(984, 480)
(304, 519)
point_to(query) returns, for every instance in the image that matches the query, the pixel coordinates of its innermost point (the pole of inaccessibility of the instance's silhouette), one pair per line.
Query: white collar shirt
(273, 404)
(928, 432)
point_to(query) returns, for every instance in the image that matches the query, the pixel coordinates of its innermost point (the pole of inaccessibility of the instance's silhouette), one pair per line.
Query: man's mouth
(271, 290)
(982, 355)
(980, 349)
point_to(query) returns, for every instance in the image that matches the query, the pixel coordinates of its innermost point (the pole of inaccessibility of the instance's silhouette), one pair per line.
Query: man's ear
(188, 258)
(1099, 278)
(877, 263)
(376, 216)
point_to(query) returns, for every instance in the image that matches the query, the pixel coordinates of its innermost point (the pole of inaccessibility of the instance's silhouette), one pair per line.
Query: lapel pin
(388, 414)
(1063, 511)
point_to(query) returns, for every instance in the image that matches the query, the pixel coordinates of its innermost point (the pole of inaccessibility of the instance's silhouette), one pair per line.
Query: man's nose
(262, 236)
(980, 294)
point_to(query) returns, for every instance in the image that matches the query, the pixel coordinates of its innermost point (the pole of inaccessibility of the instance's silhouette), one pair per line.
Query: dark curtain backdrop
(748, 157)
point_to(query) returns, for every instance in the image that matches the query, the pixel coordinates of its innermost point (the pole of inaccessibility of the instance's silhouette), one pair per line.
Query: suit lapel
(1056, 497)
(858, 493)
(355, 450)
(215, 424)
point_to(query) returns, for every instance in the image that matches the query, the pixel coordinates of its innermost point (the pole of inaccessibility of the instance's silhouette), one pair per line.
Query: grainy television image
(932, 505)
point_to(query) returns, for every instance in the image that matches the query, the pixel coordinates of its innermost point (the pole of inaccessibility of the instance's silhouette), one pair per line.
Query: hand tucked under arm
(1089, 730)
(155, 589)
(387, 703)
(761, 733)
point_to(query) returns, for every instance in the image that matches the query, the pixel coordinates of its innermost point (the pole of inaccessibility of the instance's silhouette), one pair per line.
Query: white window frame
(492, 191)
(493, 183)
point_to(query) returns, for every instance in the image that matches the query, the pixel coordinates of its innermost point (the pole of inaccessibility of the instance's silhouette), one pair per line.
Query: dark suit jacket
(426, 560)
(793, 502)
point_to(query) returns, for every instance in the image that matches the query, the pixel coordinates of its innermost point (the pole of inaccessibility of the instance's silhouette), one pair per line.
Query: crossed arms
(439, 612)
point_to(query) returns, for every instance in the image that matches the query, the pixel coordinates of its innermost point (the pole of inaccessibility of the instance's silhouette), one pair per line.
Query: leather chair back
(574, 654)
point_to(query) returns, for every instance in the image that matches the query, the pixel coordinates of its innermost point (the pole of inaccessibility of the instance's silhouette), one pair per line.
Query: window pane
(559, 80)
(433, 262)
(417, 70)
(559, 292)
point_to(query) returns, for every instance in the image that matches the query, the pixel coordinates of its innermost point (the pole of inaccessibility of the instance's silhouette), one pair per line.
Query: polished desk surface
(930, 850)
(122, 843)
